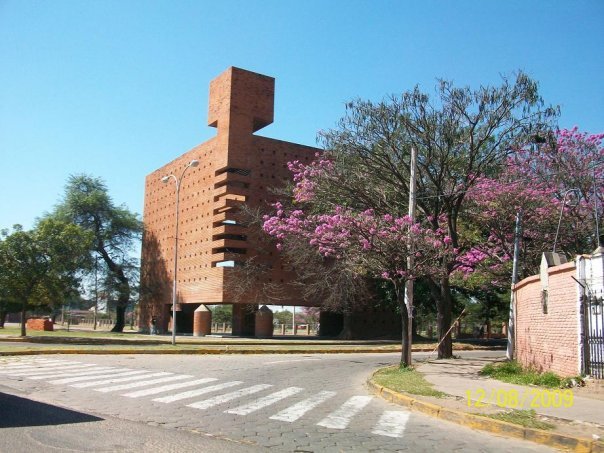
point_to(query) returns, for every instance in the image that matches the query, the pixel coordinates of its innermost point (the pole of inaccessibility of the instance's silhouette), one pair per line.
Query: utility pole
(96, 289)
(511, 326)
(410, 257)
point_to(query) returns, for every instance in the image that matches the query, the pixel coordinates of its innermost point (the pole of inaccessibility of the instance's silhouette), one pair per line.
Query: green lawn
(406, 380)
(60, 332)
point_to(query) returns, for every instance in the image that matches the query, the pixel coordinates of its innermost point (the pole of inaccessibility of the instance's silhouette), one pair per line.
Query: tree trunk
(3, 314)
(23, 318)
(444, 306)
(120, 317)
(123, 288)
(414, 328)
(346, 333)
(441, 292)
(405, 345)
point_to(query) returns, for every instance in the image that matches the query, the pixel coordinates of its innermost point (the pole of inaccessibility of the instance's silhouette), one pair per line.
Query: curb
(226, 349)
(560, 441)
(200, 341)
(223, 348)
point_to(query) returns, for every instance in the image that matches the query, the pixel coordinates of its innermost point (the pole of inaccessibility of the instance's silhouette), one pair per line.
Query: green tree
(459, 135)
(222, 313)
(283, 316)
(6, 305)
(115, 229)
(41, 267)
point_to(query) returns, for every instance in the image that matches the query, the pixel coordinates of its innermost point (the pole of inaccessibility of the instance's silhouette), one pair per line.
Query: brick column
(264, 323)
(244, 319)
(202, 321)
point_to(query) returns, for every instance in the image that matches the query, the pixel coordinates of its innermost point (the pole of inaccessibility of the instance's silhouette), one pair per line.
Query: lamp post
(165, 179)
(569, 191)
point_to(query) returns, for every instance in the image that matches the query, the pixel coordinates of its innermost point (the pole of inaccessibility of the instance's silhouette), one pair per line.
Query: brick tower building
(234, 167)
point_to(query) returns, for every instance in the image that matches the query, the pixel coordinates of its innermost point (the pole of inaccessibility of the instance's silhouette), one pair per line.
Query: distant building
(235, 167)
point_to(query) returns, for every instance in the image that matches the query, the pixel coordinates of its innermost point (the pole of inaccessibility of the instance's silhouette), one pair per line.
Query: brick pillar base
(264, 323)
(202, 321)
(244, 319)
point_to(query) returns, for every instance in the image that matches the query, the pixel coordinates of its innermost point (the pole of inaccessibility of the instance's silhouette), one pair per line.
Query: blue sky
(118, 88)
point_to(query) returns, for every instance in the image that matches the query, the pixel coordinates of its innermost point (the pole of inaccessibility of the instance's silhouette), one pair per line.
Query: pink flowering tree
(571, 164)
(564, 175)
(375, 246)
(566, 159)
(489, 235)
(459, 134)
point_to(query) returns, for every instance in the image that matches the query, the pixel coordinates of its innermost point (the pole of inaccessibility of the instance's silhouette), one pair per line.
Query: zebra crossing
(168, 388)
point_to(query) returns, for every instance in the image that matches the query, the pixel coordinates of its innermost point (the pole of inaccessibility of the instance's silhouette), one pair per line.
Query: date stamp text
(515, 399)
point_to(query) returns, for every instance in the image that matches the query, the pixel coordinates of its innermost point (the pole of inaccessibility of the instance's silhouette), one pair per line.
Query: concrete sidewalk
(461, 378)
(577, 413)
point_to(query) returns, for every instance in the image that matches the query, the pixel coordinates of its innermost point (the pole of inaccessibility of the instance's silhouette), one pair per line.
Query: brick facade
(549, 340)
(235, 166)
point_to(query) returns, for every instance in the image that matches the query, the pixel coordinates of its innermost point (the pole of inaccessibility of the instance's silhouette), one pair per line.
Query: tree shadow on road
(20, 412)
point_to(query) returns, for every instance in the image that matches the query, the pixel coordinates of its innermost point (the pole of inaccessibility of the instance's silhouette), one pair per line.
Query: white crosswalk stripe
(34, 365)
(30, 359)
(79, 372)
(165, 376)
(12, 360)
(101, 379)
(143, 383)
(43, 369)
(197, 392)
(340, 418)
(296, 411)
(133, 376)
(392, 424)
(51, 371)
(167, 388)
(265, 401)
(220, 399)
(96, 376)
(16, 365)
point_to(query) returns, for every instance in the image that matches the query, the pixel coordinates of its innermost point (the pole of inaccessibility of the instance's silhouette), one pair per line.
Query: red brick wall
(549, 341)
(241, 102)
(39, 324)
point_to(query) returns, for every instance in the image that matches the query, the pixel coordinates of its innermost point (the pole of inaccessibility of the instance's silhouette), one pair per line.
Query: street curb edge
(560, 441)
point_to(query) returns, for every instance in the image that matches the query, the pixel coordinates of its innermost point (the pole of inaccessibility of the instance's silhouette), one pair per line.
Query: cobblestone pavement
(290, 403)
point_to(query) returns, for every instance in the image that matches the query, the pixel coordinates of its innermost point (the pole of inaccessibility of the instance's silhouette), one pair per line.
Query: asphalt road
(229, 403)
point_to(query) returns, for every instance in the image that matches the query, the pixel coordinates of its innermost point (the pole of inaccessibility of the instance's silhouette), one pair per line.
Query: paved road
(293, 403)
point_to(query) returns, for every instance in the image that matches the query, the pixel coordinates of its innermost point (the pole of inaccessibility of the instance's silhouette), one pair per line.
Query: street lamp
(165, 179)
(568, 192)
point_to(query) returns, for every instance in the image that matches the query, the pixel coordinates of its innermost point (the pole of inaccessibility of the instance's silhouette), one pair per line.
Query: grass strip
(526, 418)
(61, 332)
(406, 380)
(513, 373)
